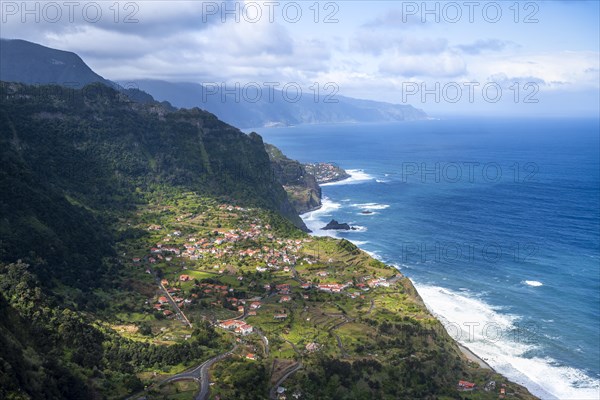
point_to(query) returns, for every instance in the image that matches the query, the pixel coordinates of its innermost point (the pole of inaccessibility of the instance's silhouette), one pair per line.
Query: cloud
(230, 51)
(105, 43)
(376, 43)
(483, 45)
(507, 82)
(395, 19)
(178, 41)
(143, 19)
(572, 70)
(448, 64)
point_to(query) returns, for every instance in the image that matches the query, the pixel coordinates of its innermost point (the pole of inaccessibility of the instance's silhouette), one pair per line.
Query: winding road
(200, 374)
(371, 307)
(273, 391)
(294, 347)
(264, 340)
(204, 375)
(344, 321)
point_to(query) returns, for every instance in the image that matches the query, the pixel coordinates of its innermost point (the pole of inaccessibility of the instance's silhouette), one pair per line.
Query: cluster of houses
(280, 254)
(237, 326)
(284, 290)
(378, 282)
(333, 287)
(163, 302)
(273, 257)
(466, 386)
(326, 172)
(229, 207)
(366, 284)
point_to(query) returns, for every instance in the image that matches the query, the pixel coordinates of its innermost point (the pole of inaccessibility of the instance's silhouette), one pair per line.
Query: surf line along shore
(474, 357)
(357, 175)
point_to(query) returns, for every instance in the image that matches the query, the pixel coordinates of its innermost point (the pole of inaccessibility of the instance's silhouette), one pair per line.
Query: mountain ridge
(32, 63)
(249, 107)
(265, 112)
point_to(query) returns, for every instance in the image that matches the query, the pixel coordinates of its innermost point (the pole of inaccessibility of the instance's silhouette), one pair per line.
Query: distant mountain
(266, 111)
(31, 63)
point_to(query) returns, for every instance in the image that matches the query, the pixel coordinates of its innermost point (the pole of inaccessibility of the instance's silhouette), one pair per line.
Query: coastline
(357, 176)
(466, 352)
(472, 356)
(532, 357)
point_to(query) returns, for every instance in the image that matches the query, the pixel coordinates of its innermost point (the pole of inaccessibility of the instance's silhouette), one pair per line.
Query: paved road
(339, 341)
(341, 346)
(294, 347)
(264, 340)
(243, 316)
(200, 374)
(371, 307)
(204, 375)
(273, 391)
(180, 313)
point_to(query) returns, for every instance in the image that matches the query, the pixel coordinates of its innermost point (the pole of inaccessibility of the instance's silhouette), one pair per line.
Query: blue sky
(542, 61)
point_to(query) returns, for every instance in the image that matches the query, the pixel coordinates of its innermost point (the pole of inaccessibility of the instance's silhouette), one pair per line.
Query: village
(279, 259)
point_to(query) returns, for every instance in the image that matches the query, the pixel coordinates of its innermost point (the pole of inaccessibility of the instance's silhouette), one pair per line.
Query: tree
(145, 329)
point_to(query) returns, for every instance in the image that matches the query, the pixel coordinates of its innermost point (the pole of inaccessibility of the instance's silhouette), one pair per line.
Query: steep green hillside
(132, 236)
(75, 164)
(74, 159)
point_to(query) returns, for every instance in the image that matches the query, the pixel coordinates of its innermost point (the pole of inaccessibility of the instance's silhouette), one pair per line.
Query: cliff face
(302, 188)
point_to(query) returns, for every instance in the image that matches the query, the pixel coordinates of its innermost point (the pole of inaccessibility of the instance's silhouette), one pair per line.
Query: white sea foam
(356, 176)
(491, 335)
(371, 206)
(533, 283)
(373, 254)
(367, 214)
(315, 220)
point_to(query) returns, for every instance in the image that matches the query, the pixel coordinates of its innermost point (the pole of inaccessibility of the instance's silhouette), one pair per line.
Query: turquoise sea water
(497, 222)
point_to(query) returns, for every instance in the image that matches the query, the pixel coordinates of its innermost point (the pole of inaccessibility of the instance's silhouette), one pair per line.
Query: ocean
(497, 223)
